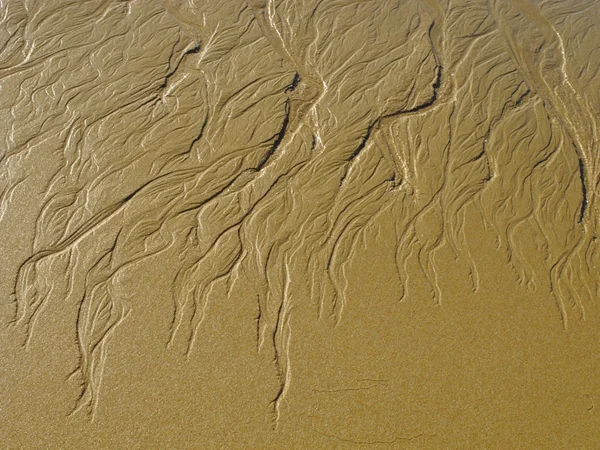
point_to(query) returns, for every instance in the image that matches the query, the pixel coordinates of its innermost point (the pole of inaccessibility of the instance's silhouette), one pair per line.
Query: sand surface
(303, 224)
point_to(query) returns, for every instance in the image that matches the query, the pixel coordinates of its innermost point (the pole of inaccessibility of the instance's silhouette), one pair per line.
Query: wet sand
(299, 224)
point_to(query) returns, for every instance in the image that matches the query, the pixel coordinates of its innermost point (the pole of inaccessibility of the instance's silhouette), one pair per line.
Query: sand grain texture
(299, 224)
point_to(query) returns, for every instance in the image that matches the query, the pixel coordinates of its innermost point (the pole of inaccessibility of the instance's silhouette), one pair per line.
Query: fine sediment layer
(306, 166)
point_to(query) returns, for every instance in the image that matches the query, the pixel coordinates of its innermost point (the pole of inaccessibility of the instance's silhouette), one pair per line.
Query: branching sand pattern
(269, 147)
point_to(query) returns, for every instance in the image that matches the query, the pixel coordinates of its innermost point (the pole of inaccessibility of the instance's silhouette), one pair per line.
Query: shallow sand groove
(258, 145)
